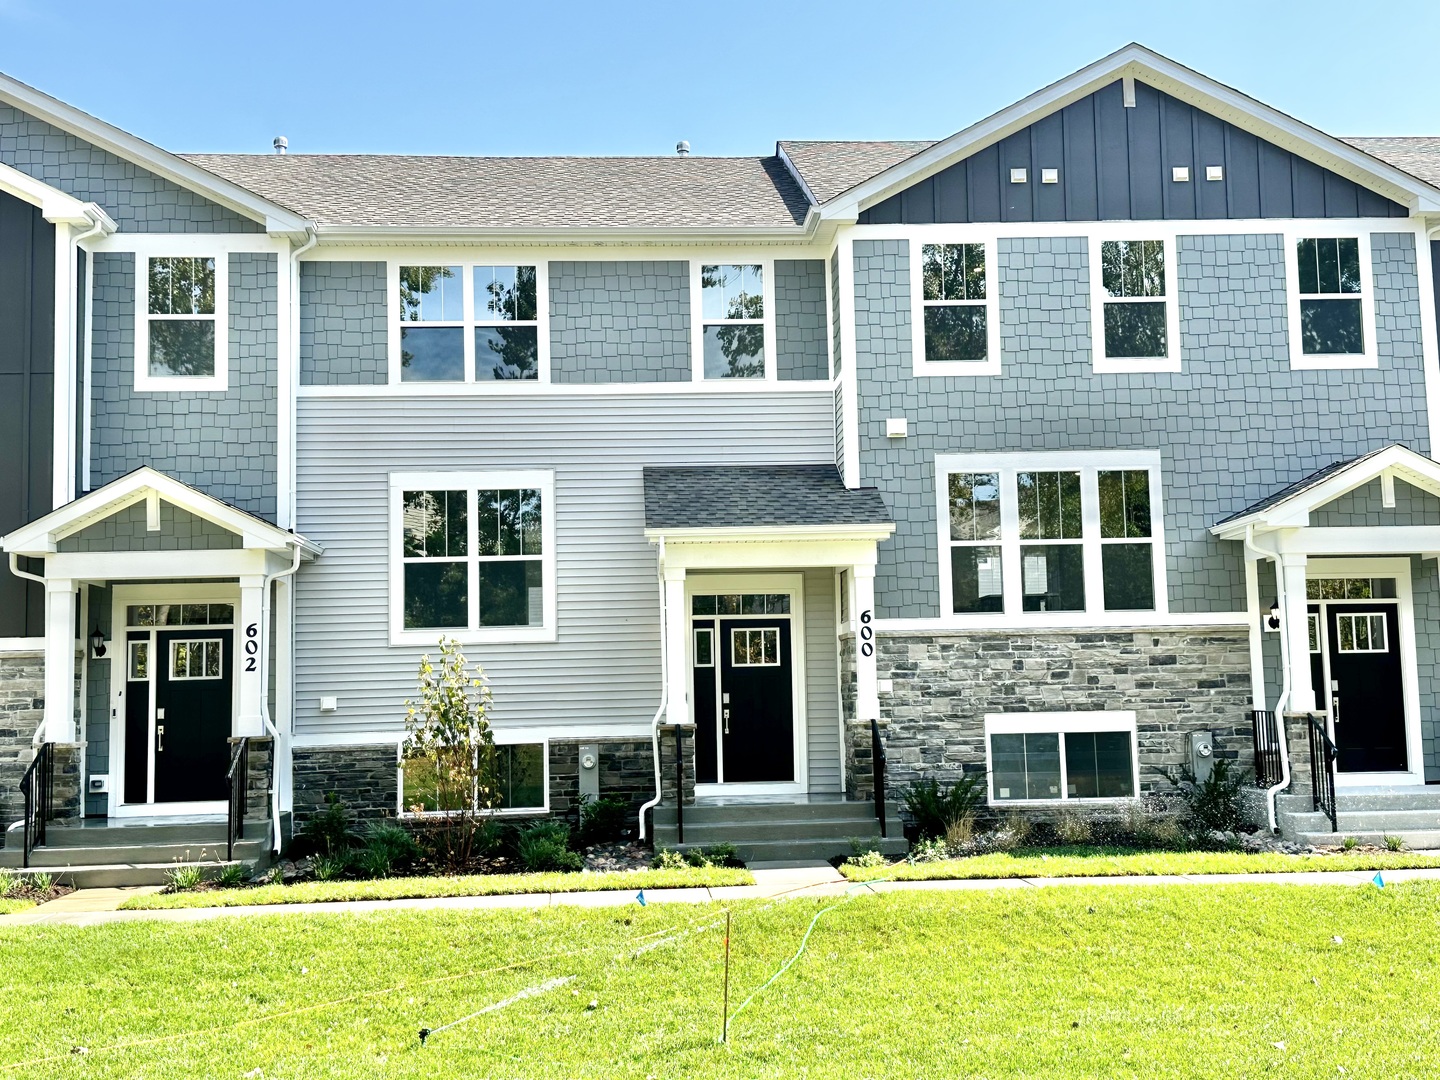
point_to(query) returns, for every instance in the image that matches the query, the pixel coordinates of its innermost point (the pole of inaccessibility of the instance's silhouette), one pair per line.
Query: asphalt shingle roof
(830, 168)
(731, 496)
(1417, 155)
(339, 190)
(1303, 484)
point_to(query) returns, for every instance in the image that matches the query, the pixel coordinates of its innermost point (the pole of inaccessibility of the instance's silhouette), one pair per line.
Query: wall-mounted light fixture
(1274, 620)
(97, 643)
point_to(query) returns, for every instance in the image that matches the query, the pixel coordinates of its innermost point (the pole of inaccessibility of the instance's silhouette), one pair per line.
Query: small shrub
(274, 876)
(667, 859)
(932, 849)
(1395, 843)
(326, 868)
(370, 862)
(935, 810)
(545, 845)
(394, 842)
(1349, 843)
(41, 882)
(9, 883)
(330, 832)
(1215, 805)
(869, 860)
(231, 874)
(604, 820)
(1073, 829)
(961, 834)
(1014, 832)
(184, 877)
(723, 854)
(488, 838)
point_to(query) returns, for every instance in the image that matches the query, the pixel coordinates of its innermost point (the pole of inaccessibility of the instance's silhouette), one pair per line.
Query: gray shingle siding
(223, 443)
(1364, 506)
(800, 350)
(344, 324)
(138, 200)
(614, 322)
(1235, 424)
(127, 530)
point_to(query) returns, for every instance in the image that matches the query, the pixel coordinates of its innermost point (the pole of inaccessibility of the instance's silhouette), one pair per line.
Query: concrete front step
(1415, 840)
(112, 875)
(738, 812)
(709, 832)
(48, 857)
(808, 850)
(1353, 801)
(781, 831)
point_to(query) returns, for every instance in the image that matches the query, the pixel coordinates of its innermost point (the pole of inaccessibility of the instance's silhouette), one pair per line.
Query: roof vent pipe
(682, 148)
(281, 144)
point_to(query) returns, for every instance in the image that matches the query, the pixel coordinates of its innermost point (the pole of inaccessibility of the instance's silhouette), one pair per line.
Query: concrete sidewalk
(90, 907)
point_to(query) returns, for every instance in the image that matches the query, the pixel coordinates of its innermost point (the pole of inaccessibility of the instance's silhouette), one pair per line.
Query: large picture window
(469, 323)
(473, 557)
(1061, 757)
(181, 341)
(1331, 302)
(1134, 307)
(1042, 537)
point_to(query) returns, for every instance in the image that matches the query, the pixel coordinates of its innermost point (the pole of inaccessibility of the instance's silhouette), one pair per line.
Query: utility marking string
(529, 992)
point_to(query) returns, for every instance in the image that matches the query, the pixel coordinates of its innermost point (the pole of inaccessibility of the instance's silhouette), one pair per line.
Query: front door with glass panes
(175, 703)
(742, 689)
(1356, 668)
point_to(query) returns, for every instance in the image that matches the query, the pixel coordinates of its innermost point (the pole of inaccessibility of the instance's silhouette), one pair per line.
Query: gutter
(1284, 698)
(664, 688)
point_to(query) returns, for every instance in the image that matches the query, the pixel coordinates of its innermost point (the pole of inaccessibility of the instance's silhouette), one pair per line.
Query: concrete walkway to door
(90, 907)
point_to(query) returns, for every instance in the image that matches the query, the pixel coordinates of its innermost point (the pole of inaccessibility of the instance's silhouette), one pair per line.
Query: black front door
(1366, 691)
(192, 714)
(756, 706)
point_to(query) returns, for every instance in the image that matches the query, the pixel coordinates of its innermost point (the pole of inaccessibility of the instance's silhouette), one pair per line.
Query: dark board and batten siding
(27, 395)
(1115, 165)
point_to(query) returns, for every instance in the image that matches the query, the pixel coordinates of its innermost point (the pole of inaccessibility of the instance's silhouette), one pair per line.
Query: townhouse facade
(1077, 449)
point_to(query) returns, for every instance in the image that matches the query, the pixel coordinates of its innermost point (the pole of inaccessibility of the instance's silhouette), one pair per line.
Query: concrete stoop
(783, 832)
(120, 853)
(1369, 816)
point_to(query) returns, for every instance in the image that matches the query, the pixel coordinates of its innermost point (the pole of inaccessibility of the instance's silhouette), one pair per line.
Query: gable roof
(39, 537)
(1418, 155)
(1290, 506)
(32, 102)
(395, 192)
(735, 497)
(1137, 62)
(829, 168)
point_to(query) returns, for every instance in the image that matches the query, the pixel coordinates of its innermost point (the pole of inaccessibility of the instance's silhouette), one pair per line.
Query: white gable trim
(40, 537)
(1293, 512)
(1137, 62)
(56, 206)
(42, 106)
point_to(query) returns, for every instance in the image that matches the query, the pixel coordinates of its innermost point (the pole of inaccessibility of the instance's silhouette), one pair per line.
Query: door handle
(727, 721)
(159, 738)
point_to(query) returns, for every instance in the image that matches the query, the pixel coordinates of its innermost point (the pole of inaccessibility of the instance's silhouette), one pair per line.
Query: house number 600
(252, 646)
(867, 634)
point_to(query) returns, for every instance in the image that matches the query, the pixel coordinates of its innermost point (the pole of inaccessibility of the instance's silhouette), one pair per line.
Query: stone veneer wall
(364, 778)
(1175, 680)
(22, 707)
(626, 769)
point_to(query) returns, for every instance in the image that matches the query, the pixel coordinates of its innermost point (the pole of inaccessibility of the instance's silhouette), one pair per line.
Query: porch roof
(759, 497)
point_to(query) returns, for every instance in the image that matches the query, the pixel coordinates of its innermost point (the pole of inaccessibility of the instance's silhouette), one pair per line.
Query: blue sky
(603, 78)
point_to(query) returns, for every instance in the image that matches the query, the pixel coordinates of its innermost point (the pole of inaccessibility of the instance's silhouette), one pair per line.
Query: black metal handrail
(239, 780)
(877, 767)
(1322, 768)
(38, 787)
(679, 786)
(1267, 747)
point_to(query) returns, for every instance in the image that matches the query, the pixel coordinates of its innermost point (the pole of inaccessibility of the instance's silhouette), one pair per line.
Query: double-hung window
(734, 337)
(472, 557)
(1135, 312)
(468, 323)
(1061, 757)
(1043, 537)
(180, 330)
(956, 320)
(1331, 302)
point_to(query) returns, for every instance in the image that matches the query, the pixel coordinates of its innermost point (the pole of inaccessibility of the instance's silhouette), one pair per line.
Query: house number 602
(867, 634)
(252, 646)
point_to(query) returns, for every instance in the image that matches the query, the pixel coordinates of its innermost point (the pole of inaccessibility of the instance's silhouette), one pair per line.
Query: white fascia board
(565, 236)
(765, 535)
(276, 218)
(1185, 84)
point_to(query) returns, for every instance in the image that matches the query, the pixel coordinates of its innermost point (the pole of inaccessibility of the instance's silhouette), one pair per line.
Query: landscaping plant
(603, 820)
(330, 833)
(545, 845)
(935, 810)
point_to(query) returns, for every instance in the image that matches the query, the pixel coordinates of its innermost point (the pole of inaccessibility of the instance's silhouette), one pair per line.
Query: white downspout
(265, 589)
(1284, 699)
(664, 687)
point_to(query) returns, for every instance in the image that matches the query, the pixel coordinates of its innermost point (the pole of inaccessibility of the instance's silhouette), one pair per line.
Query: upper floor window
(180, 338)
(1057, 533)
(955, 310)
(735, 333)
(472, 556)
(1332, 321)
(1134, 311)
(476, 323)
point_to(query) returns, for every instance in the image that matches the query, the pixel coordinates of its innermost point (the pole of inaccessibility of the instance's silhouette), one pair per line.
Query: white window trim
(1102, 364)
(147, 383)
(1369, 618)
(521, 811)
(735, 632)
(469, 322)
(1301, 360)
(1088, 464)
(1061, 723)
(544, 480)
(920, 365)
(709, 633)
(170, 660)
(698, 322)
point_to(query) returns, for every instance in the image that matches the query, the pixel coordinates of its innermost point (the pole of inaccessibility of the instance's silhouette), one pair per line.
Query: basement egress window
(519, 782)
(1061, 757)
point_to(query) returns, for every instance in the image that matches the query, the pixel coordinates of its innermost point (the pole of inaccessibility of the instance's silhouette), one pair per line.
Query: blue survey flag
(1378, 880)
(640, 896)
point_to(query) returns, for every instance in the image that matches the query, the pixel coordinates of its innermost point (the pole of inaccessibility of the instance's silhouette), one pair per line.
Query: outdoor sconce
(97, 643)
(1274, 621)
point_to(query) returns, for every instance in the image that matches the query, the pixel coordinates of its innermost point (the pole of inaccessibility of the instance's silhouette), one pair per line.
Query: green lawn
(10, 906)
(313, 892)
(1120, 862)
(1182, 981)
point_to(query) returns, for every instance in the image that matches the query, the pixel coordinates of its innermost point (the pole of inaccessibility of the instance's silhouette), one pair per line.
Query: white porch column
(677, 621)
(60, 660)
(248, 659)
(867, 695)
(1295, 625)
